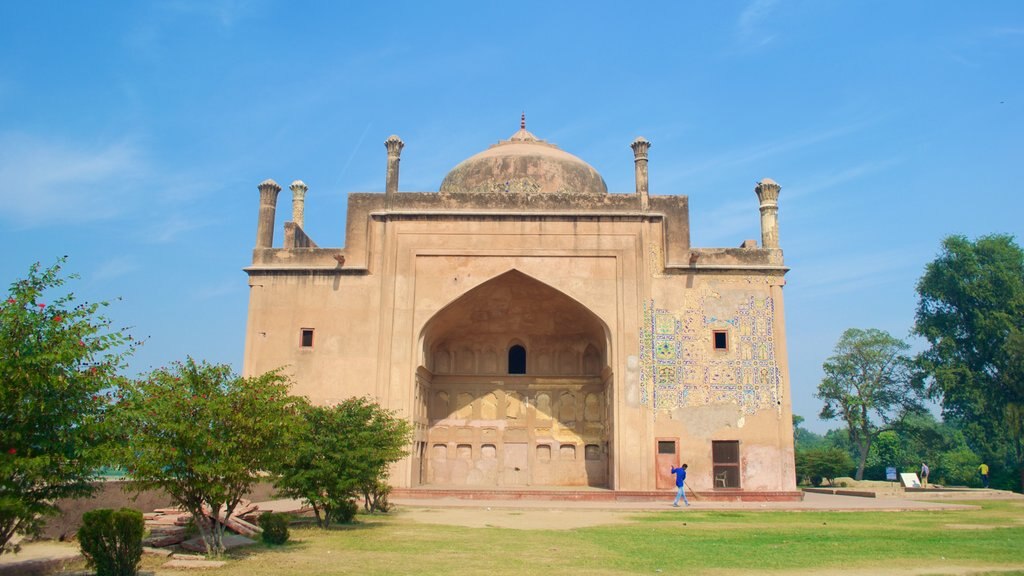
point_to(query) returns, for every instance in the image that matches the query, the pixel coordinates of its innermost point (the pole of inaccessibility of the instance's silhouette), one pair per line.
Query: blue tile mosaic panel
(679, 368)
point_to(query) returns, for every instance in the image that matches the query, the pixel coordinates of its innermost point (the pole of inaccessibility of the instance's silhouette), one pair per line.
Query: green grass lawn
(987, 540)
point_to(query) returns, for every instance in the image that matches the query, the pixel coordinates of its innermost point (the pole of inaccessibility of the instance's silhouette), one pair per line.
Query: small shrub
(111, 540)
(275, 527)
(375, 497)
(345, 513)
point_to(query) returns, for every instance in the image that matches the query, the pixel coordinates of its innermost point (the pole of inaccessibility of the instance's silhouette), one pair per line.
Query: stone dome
(524, 164)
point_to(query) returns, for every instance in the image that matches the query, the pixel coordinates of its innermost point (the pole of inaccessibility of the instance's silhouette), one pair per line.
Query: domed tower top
(524, 164)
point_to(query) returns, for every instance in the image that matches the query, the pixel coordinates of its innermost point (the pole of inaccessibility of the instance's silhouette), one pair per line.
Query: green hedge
(111, 540)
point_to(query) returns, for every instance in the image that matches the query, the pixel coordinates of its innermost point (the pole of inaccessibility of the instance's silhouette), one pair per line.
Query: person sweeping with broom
(681, 483)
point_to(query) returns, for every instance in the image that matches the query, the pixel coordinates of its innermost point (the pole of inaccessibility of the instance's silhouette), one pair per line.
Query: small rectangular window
(721, 338)
(306, 338)
(666, 447)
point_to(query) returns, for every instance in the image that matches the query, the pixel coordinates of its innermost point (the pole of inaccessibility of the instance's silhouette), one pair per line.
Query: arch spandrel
(512, 306)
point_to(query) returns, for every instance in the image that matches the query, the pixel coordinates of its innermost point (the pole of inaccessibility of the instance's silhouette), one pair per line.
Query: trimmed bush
(111, 540)
(275, 527)
(345, 513)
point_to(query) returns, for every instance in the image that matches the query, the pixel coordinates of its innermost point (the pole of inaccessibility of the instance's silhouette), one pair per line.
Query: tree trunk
(205, 529)
(316, 512)
(218, 538)
(864, 448)
(7, 533)
(860, 464)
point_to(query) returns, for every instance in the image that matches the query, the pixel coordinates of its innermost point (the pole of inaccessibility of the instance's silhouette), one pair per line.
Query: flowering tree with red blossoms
(57, 356)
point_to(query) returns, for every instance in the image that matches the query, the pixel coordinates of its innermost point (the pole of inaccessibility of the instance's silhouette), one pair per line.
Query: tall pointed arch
(527, 413)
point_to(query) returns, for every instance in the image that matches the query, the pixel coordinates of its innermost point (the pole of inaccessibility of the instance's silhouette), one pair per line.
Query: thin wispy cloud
(218, 290)
(751, 26)
(114, 268)
(225, 12)
(838, 178)
(732, 158)
(733, 219)
(974, 49)
(726, 224)
(153, 35)
(54, 182)
(355, 150)
(856, 271)
(172, 227)
(1003, 32)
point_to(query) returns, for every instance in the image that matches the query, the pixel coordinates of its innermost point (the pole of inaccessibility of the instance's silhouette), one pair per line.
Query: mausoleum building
(538, 330)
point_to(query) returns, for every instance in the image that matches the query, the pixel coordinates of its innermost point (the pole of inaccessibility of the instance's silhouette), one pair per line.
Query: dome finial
(522, 121)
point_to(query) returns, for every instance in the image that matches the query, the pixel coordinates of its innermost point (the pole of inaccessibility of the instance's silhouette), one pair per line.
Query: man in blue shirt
(681, 483)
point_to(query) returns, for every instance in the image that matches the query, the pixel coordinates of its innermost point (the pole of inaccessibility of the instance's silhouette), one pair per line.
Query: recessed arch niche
(561, 395)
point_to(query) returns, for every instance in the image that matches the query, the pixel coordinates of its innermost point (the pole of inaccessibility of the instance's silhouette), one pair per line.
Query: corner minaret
(394, 145)
(640, 147)
(768, 194)
(268, 208)
(299, 190)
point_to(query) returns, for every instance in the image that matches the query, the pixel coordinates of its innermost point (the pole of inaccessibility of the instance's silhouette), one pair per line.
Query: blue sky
(133, 135)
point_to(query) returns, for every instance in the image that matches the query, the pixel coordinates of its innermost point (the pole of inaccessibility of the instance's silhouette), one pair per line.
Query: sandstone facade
(537, 330)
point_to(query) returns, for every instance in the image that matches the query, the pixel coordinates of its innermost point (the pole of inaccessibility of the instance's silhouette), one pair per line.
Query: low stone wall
(114, 494)
(842, 492)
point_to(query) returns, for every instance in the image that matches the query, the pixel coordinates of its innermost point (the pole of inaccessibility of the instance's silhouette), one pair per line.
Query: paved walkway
(810, 502)
(39, 558)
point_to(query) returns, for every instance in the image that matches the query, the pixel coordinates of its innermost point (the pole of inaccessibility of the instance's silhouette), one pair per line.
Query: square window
(306, 338)
(721, 339)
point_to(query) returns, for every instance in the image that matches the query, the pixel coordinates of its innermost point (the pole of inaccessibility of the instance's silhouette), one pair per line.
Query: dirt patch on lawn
(552, 519)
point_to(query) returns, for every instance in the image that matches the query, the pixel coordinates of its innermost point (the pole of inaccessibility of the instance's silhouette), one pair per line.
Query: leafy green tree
(925, 439)
(343, 451)
(804, 439)
(205, 436)
(886, 451)
(823, 463)
(959, 467)
(868, 383)
(838, 438)
(57, 355)
(971, 311)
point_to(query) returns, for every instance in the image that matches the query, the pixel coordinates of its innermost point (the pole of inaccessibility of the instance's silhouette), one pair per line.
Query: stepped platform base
(575, 494)
(940, 489)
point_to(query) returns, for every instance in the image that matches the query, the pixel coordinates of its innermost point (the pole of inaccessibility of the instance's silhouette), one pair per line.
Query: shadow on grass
(296, 542)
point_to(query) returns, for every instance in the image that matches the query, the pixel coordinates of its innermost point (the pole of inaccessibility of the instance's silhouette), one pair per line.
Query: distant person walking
(924, 475)
(681, 483)
(983, 470)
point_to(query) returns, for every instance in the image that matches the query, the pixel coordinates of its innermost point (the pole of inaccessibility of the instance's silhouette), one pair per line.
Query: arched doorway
(515, 382)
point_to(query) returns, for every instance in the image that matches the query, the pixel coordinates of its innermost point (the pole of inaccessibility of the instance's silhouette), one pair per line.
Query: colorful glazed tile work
(679, 367)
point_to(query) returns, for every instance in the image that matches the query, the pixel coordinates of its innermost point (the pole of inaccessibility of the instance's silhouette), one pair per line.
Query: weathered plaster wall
(342, 310)
(700, 394)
